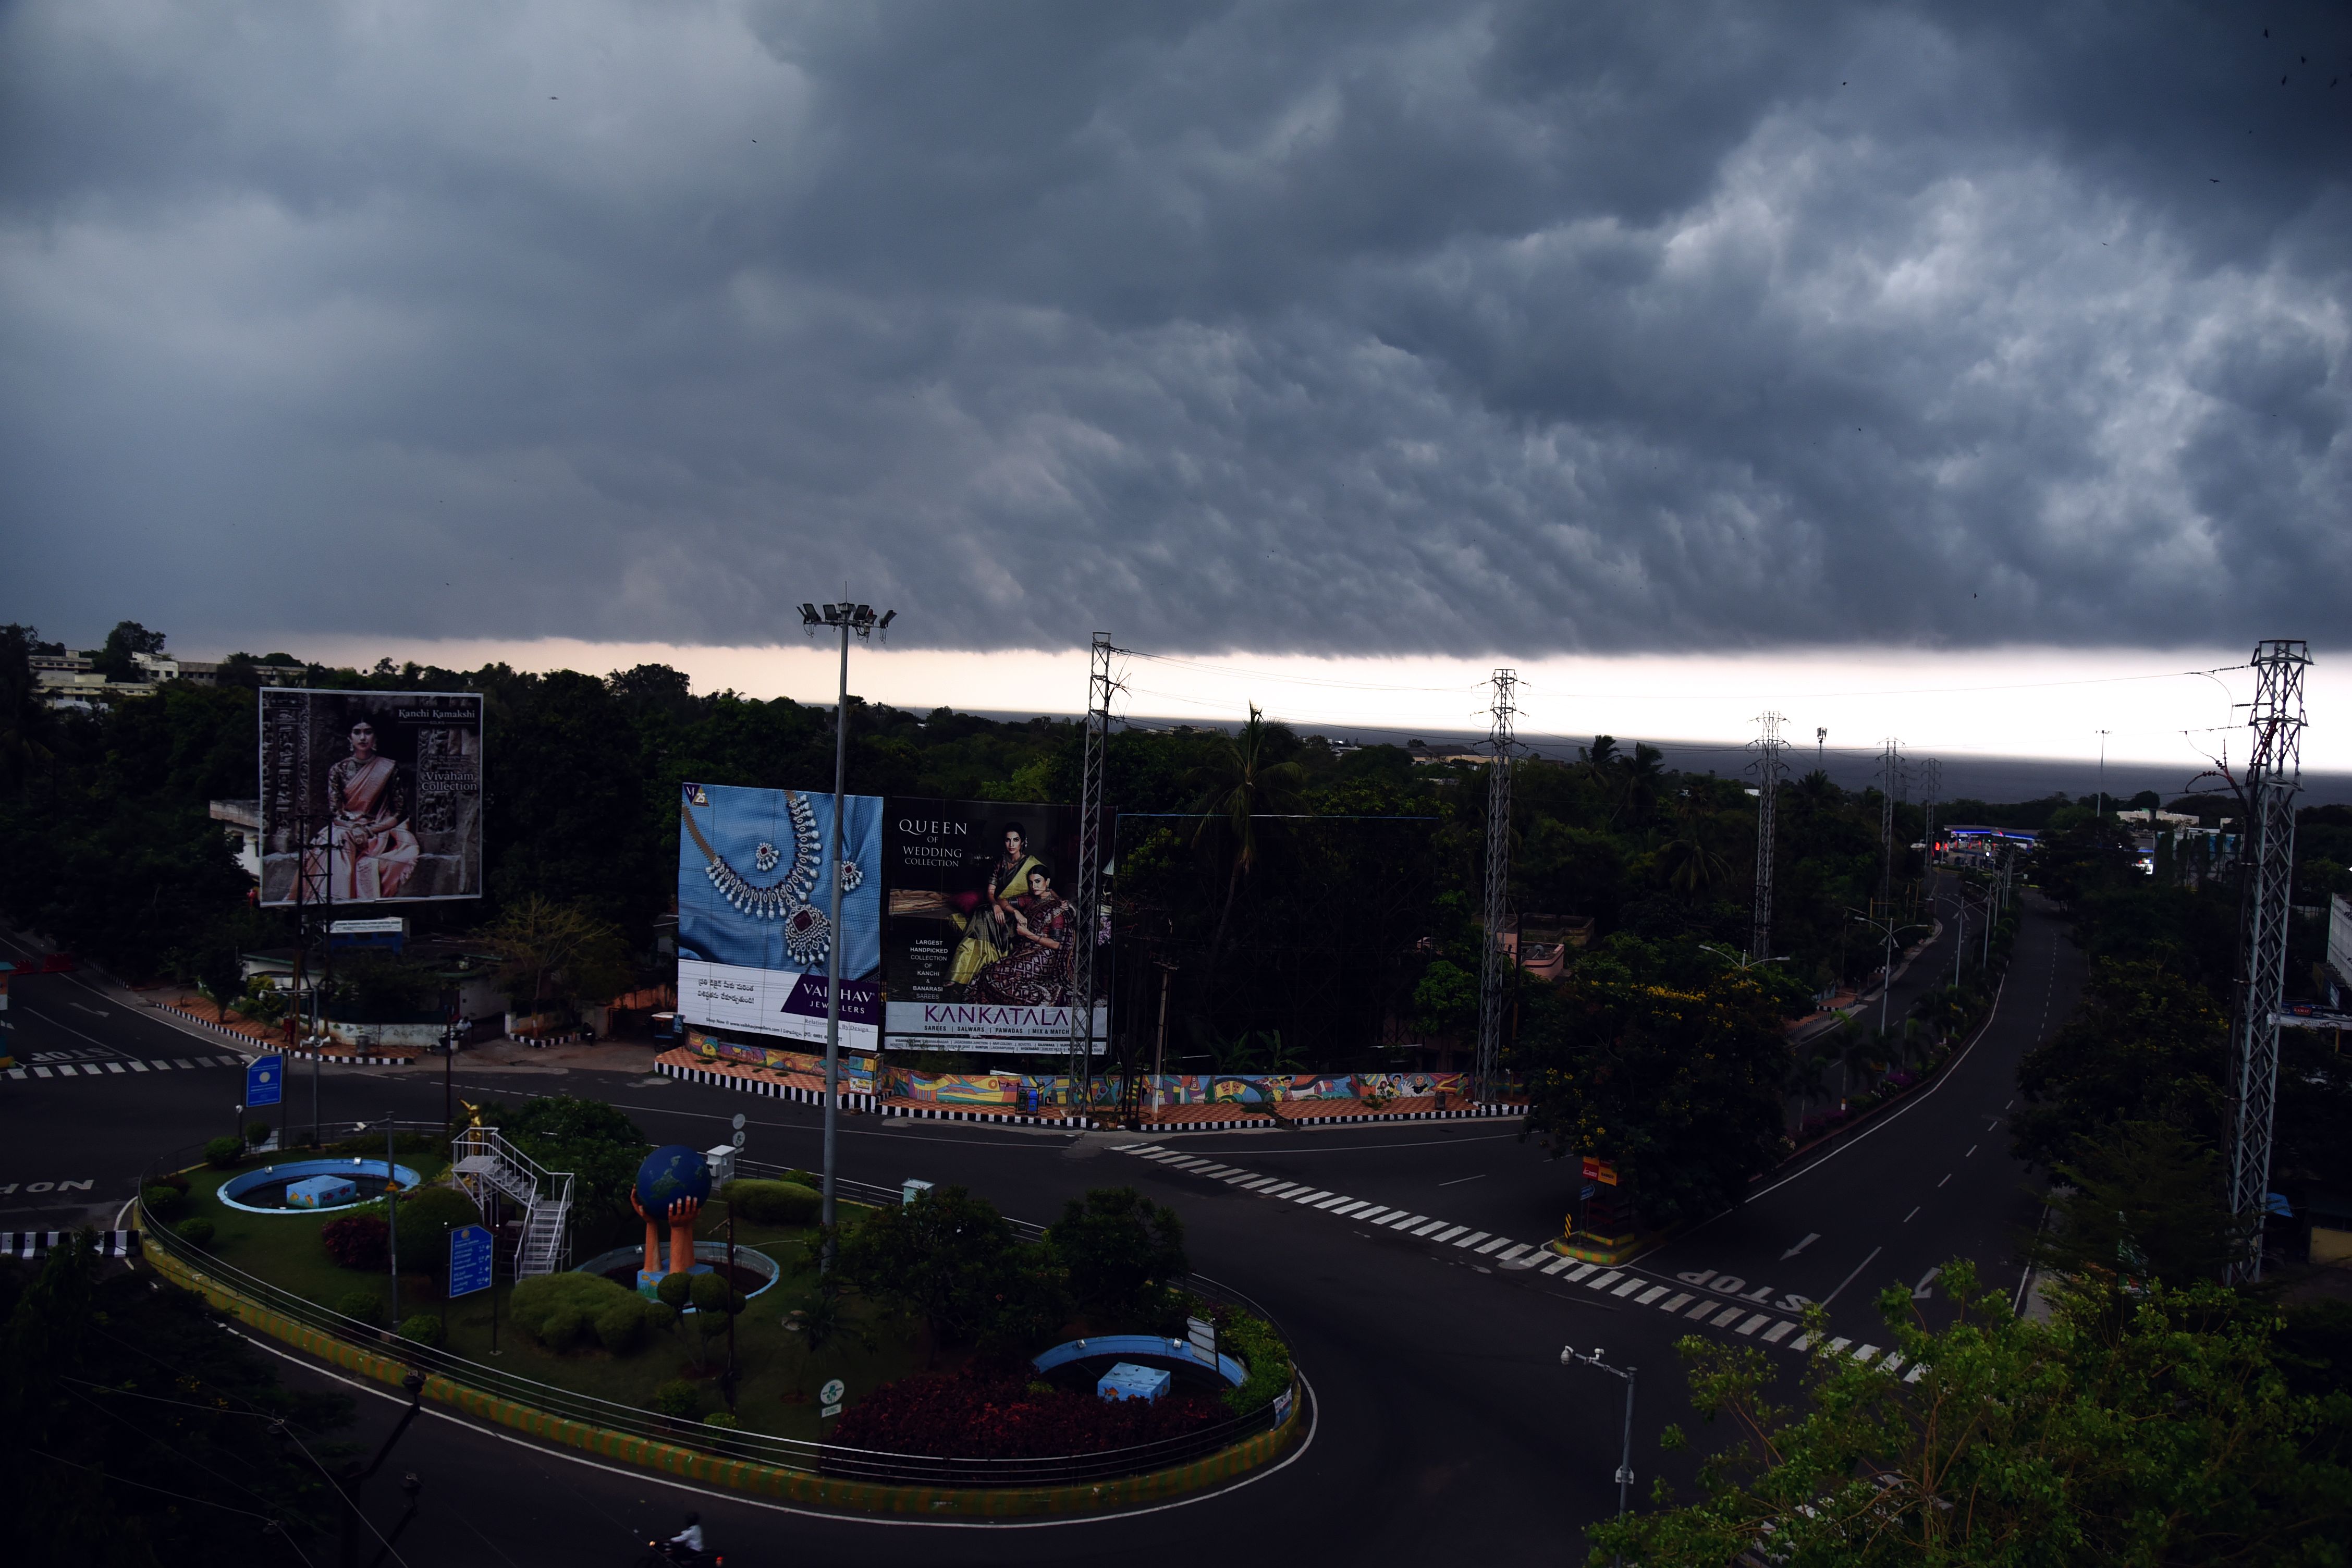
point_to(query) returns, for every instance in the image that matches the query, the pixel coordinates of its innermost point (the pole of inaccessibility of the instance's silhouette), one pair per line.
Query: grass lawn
(777, 1378)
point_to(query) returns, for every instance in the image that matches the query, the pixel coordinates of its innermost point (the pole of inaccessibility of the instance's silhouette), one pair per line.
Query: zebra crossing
(1740, 1319)
(101, 1069)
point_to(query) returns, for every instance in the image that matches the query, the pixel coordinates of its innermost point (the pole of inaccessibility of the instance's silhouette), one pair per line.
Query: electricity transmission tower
(1768, 794)
(1088, 905)
(1890, 780)
(2273, 775)
(1496, 969)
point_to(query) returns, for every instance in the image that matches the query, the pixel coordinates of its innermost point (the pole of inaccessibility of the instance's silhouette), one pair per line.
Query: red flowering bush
(357, 1241)
(988, 1414)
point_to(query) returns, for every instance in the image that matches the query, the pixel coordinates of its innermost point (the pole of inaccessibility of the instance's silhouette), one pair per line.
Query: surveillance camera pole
(861, 619)
(1569, 1354)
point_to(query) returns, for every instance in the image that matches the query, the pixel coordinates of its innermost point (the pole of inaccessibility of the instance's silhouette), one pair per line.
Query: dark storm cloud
(1349, 329)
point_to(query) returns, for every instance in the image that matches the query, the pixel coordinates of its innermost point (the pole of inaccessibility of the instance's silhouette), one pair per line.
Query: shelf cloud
(1352, 329)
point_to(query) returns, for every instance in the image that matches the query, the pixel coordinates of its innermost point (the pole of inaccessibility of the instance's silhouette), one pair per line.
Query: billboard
(376, 797)
(754, 919)
(977, 952)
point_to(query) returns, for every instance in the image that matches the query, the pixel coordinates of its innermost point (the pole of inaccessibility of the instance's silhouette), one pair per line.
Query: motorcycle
(667, 1554)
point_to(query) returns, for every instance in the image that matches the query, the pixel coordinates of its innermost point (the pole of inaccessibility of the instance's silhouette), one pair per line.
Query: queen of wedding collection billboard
(978, 948)
(755, 932)
(376, 795)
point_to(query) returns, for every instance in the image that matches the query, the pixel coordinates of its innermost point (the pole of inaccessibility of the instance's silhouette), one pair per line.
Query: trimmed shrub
(225, 1154)
(990, 1415)
(364, 1305)
(1253, 1342)
(424, 1214)
(197, 1229)
(773, 1203)
(677, 1397)
(623, 1326)
(565, 1311)
(164, 1202)
(721, 1420)
(177, 1181)
(425, 1329)
(675, 1291)
(256, 1133)
(1121, 1250)
(360, 1241)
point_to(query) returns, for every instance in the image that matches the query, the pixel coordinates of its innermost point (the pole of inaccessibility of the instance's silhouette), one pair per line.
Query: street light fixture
(1568, 1357)
(846, 618)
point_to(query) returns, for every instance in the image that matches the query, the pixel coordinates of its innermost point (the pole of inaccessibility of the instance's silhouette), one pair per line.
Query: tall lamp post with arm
(846, 618)
(1569, 1355)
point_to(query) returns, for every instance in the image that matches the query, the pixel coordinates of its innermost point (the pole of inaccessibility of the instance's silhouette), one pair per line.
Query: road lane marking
(1849, 1279)
(1861, 1354)
(1357, 1209)
(1498, 1243)
(1310, 1198)
(1630, 1285)
(1752, 1324)
(1334, 1204)
(1285, 1190)
(1839, 1343)
(1677, 1304)
(1800, 1246)
(1704, 1309)
(1409, 1220)
(1459, 1240)
(1803, 1342)
(1515, 1250)
(1948, 1177)
(1474, 1238)
(1580, 1273)
(1597, 1283)
(1777, 1332)
(1730, 1315)
(1439, 1225)
(1971, 1153)
(1892, 1362)
(1912, 1216)
(1557, 1264)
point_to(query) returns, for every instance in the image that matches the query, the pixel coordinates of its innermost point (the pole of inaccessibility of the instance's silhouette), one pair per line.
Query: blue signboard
(470, 1260)
(264, 1081)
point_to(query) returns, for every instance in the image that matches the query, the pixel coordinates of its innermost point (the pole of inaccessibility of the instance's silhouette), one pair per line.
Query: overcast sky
(1342, 329)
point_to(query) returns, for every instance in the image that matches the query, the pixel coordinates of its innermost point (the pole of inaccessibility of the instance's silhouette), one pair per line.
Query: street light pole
(1569, 1355)
(861, 619)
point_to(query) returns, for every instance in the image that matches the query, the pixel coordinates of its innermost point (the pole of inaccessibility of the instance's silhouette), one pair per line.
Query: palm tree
(1691, 866)
(1243, 785)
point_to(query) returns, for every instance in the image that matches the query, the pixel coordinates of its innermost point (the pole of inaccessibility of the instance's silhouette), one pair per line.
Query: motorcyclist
(685, 1546)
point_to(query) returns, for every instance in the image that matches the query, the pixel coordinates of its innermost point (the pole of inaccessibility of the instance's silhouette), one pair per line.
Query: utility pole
(1087, 904)
(846, 618)
(2274, 776)
(1160, 1050)
(2101, 811)
(1768, 796)
(1495, 971)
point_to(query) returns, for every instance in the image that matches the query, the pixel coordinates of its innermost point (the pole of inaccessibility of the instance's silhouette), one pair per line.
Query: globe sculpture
(671, 1186)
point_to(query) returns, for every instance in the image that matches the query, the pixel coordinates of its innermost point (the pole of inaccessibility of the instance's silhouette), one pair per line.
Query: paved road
(1446, 1421)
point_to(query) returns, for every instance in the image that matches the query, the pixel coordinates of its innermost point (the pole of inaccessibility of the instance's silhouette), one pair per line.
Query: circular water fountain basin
(315, 1186)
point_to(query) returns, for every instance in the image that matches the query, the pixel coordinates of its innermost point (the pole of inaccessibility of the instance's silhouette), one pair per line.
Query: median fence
(744, 1460)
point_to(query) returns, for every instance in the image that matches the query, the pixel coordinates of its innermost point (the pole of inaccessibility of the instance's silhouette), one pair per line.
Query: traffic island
(844, 1401)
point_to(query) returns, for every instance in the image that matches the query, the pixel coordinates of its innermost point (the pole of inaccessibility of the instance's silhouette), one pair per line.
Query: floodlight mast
(846, 618)
(2274, 776)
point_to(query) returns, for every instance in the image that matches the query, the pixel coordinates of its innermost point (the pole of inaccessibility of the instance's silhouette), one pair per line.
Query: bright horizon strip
(2017, 701)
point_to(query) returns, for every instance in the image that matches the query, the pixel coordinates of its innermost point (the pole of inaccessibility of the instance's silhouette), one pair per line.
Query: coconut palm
(1241, 788)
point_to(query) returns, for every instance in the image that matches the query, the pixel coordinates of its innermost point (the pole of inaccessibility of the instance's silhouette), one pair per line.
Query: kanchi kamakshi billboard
(755, 937)
(979, 945)
(376, 795)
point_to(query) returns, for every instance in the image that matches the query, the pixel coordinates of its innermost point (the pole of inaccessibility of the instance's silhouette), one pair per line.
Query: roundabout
(1093, 1423)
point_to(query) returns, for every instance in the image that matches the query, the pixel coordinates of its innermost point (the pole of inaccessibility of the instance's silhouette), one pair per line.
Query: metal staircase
(494, 1172)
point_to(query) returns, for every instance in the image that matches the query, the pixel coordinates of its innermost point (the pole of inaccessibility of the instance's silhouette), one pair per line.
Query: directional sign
(264, 1081)
(470, 1260)
(829, 1396)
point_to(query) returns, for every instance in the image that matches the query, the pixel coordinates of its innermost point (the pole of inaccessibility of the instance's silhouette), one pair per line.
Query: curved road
(1391, 1256)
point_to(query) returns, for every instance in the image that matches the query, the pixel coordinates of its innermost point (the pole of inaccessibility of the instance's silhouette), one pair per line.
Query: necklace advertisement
(756, 941)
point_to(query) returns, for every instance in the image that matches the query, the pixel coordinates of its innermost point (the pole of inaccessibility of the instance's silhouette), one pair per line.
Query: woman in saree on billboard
(366, 848)
(987, 923)
(1036, 971)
